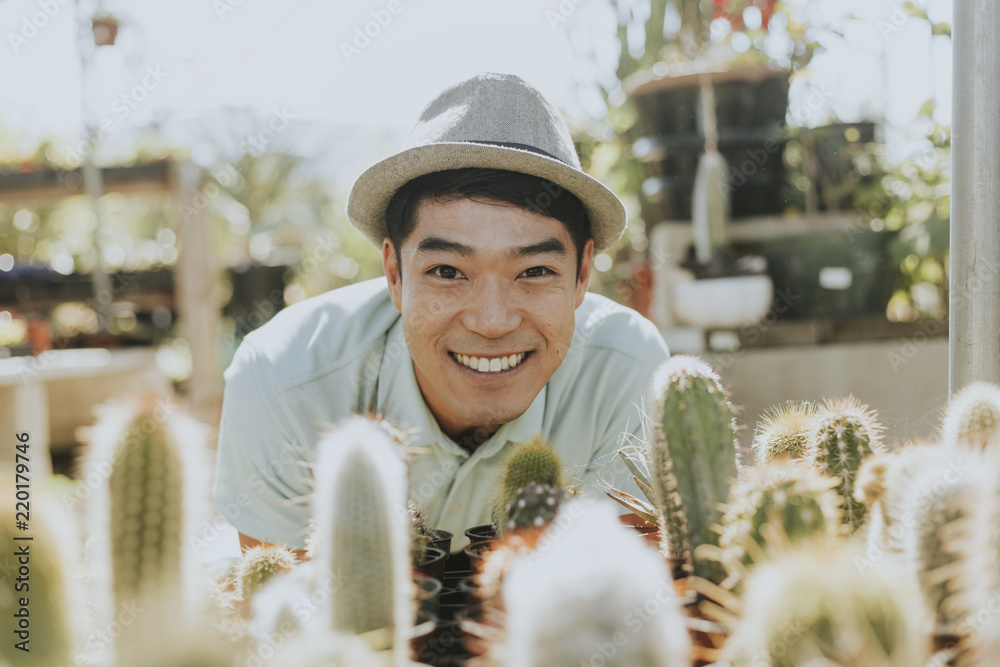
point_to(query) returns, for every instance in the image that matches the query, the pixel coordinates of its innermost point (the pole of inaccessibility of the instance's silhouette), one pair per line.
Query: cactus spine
(973, 417)
(692, 457)
(796, 501)
(815, 605)
(783, 433)
(585, 589)
(844, 433)
(361, 536)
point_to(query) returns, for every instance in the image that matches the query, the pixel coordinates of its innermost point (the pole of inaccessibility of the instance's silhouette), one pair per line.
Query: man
(481, 335)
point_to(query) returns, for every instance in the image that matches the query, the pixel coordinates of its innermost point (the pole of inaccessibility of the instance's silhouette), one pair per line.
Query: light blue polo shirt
(343, 352)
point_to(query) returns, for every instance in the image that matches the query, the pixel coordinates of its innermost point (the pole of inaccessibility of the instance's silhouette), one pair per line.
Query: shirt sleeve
(259, 483)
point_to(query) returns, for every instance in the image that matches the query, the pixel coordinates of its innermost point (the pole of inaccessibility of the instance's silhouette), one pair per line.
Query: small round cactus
(815, 605)
(844, 433)
(420, 534)
(533, 507)
(262, 562)
(794, 500)
(973, 417)
(532, 462)
(783, 433)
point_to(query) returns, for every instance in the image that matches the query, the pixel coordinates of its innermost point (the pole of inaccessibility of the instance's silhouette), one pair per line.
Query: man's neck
(470, 439)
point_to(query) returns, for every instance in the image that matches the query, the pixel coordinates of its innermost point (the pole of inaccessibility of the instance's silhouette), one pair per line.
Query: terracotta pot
(105, 31)
(476, 551)
(433, 565)
(420, 636)
(707, 636)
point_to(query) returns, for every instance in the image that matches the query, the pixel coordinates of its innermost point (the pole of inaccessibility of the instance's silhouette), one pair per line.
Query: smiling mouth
(489, 364)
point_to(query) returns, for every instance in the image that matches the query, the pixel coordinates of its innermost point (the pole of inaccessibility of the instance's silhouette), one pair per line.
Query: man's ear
(392, 274)
(583, 280)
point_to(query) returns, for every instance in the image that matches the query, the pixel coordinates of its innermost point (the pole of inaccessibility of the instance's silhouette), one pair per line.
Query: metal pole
(974, 318)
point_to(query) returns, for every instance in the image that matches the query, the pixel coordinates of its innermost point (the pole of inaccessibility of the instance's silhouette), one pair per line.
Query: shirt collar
(400, 400)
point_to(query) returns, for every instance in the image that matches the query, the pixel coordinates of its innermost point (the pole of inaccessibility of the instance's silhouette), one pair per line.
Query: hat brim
(374, 189)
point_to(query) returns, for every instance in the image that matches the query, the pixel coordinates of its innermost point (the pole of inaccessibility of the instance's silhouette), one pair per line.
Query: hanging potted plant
(105, 28)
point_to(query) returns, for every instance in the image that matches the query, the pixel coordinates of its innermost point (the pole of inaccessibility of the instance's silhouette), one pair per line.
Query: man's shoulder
(324, 332)
(602, 324)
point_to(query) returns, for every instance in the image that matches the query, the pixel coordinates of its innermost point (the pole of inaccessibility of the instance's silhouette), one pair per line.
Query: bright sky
(194, 58)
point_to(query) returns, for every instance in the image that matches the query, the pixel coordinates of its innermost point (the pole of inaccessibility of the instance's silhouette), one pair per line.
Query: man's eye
(447, 272)
(536, 272)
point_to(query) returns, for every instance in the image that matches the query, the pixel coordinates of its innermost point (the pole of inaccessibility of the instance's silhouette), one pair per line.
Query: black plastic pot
(433, 565)
(484, 532)
(442, 540)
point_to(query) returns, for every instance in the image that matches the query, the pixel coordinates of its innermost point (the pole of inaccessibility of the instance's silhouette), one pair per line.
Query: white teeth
(485, 365)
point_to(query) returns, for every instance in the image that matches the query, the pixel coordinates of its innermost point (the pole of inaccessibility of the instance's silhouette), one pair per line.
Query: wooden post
(197, 297)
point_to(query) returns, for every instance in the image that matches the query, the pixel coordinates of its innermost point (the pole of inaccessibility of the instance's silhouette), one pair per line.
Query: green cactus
(691, 458)
(361, 537)
(844, 433)
(262, 562)
(973, 417)
(46, 564)
(794, 500)
(532, 462)
(944, 509)
(533, 506)
(782, 433)
(143, 520)
(815, 605)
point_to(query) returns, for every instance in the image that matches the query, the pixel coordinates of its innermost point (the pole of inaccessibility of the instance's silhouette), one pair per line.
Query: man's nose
(493, 311)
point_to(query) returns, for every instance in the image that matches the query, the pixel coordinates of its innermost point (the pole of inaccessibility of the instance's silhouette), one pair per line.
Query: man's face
(488, 285)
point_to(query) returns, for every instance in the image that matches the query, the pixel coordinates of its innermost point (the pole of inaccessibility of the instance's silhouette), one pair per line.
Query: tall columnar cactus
(692, 457)
(783, 433)
(144, 519)
(844, 433)
(596, 593)
(361, 533)
(791, 499)
(973, 417)
(944, 507)
(815, 605)
(37, 592)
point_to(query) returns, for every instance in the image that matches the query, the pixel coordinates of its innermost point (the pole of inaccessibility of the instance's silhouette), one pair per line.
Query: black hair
(523, 190)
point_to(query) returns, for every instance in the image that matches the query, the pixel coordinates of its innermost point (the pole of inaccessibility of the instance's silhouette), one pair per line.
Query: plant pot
(427, 591)
(650, 532)
(433, 565)
(471, 589)
(476, 553)
(480, 533)
(483, 628)
(423, 628)
(442, 540)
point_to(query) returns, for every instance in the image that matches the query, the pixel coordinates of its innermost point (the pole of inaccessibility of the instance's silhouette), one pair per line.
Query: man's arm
(257, 469)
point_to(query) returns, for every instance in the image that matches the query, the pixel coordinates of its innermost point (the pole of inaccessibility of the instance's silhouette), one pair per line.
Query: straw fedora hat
(493, 121)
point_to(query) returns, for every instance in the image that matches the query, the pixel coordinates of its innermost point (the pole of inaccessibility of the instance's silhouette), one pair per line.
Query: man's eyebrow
(438, 244)
(549, 246)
